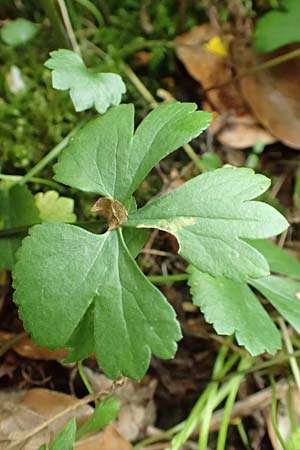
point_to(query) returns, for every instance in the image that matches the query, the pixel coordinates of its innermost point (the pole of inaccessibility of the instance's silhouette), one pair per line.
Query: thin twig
(84, 401)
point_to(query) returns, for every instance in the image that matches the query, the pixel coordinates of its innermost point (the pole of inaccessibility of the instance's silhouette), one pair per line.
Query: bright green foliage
(232, 308)
(54, 208)
(105, 412)
(278, 27)
(210, 216)
(17, 209)
(18, 32)
(114, 161)
(66, 438)
(130, 316)
(87, 89)
(86, 292)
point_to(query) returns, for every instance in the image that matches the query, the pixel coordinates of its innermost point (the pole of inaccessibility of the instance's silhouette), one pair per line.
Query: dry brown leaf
(236, 126)
(21, 412)
(26, 348)
(109, 439)
(273, 94)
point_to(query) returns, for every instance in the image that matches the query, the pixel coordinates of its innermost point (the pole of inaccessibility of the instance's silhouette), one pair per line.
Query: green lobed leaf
(211, 215)
(18, 32)
(66, 437)
(54, 208)
(105, 412)
(17, 209)
(130, 318)
(106, 158)
(279, 260)
(283, 294)
(233, 308)
(278, 27)
(165, 129)
(87, 89)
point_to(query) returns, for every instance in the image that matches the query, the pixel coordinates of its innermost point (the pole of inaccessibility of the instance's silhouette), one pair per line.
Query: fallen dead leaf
(273, 94)
(236, 126)
(109, 439)
(23, 411)
(26, 348)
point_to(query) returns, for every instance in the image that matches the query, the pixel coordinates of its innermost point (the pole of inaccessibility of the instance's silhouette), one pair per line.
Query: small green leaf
(211, 215)
(18, 32)
(17, 209)
(129, 316)
(66, 437)
(232, 308)
(279, 260)
(278, 27)
(283, 294)
(114, 161)
(43, 447)
(54, 208)
(105, 412)
(87, 89)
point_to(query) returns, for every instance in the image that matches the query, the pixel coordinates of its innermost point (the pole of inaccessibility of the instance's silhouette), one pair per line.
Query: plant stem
(84, 378)
(289, 347)
(55, 20)
(17, 178)
(93, 10)
(157, 279)
(68, 25)
(274, 415)
(236, 381)
(50, 156)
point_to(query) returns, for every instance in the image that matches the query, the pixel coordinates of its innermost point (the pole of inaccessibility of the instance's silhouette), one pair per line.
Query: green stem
(50, 156)
(93, 10)
(236, 381)
(17, 178)
(157, 279)
(186, 428)
(55, 20)
(84, 378)
(274, 415)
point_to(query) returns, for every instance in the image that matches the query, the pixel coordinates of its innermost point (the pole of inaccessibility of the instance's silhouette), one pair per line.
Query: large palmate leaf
(106, 158)
(87, 89)
(232, 308)
(279, 27)
(103, 287)
(211, 215)
(17, 209)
